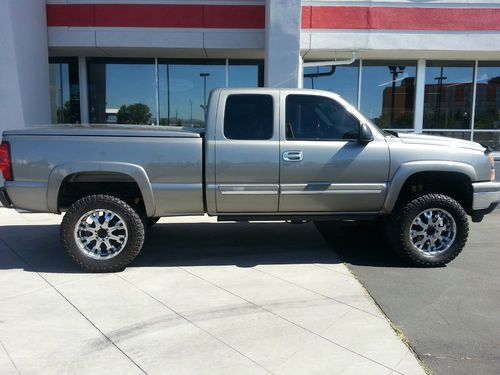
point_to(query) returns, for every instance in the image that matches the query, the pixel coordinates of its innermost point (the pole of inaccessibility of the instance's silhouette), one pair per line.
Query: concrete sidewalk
(203, 298)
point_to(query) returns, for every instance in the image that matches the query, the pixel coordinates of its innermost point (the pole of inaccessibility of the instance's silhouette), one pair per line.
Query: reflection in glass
(125, 90)
(122, 91)
(448, 95)
(340, 79)
(487, 115)
(243, 73)
(64, 90)
(491, 139)
(184, 87)
(451, 134)
(388, 93)
(315, 117)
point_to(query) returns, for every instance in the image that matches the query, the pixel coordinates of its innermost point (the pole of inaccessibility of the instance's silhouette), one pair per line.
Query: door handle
(293, 155)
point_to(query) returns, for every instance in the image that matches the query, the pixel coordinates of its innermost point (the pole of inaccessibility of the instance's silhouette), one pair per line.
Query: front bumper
(486, 195)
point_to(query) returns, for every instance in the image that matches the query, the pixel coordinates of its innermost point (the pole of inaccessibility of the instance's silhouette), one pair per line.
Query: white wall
(282, 61)
(24, 69)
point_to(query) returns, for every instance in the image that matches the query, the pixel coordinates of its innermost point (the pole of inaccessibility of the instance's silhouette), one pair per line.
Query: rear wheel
(102, 233)
(430, 230)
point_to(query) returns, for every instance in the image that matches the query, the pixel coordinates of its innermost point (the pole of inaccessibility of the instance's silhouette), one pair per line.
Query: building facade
(431, 66)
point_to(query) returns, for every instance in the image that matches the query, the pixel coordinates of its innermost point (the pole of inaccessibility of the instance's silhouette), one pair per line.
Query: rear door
(324, 167)
(247, 152)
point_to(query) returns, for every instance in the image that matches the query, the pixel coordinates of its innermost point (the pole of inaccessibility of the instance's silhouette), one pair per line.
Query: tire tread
(402, 213)
(133, 248)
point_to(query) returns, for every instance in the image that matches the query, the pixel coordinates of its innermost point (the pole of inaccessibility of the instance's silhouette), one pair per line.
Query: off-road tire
(398, 228)
(133, 222)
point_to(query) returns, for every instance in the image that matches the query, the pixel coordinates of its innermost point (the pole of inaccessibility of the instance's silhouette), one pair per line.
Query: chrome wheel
(101, 234)
(433, 231)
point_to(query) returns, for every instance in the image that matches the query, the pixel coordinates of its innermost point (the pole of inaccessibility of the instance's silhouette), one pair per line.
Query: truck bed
(166, 163)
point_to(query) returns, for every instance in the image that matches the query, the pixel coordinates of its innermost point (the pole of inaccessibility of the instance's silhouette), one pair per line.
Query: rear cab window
(249, 117)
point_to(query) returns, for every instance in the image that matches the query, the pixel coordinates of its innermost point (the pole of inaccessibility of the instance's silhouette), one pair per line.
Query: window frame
(73, 80)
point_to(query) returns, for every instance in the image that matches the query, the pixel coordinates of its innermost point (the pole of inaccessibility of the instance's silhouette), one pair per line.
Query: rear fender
(136, 172)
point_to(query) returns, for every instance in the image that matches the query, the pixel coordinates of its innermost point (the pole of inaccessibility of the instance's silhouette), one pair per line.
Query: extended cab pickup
(265, 154)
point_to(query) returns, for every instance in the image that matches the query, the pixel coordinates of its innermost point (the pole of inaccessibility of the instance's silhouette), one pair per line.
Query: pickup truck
(265, 154)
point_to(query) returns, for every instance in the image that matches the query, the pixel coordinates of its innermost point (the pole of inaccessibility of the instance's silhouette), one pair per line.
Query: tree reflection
(137, 113)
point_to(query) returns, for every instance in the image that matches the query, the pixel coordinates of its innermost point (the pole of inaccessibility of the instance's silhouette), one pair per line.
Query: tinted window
(318, 118)
(248, 116)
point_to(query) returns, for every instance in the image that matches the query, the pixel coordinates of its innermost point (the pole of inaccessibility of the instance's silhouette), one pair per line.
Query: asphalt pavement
(450, 315)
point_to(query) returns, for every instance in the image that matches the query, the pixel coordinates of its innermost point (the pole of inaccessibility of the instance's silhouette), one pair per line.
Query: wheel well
(454, 184)
(78, 185)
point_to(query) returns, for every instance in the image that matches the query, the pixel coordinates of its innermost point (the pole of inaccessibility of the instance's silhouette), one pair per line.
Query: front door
(323, 166)
(247, 153)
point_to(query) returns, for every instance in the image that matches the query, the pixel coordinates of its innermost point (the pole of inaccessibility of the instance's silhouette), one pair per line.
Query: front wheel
(102, 233)
(430, 230)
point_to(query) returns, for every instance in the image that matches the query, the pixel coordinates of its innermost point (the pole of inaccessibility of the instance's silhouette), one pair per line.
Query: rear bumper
(4, 198)
(486, 195)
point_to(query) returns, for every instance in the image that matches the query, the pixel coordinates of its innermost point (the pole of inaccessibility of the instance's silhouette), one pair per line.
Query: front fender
(410, 168)
(136, 172)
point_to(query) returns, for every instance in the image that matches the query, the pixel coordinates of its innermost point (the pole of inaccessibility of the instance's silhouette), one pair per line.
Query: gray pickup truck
(265, 154)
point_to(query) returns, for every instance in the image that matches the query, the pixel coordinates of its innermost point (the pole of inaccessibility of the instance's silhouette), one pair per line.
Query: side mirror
(365, 133)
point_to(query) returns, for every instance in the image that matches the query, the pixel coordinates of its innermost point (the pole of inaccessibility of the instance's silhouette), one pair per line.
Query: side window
(249, 116)
(310, 117)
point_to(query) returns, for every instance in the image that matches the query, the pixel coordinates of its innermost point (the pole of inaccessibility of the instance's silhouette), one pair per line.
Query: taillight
(492, 165)
(5, 166)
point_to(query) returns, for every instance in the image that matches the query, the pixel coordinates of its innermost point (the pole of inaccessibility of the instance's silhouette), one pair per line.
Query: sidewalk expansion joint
(293, 323)
(318, 293)
(193, 323)
(30, 266)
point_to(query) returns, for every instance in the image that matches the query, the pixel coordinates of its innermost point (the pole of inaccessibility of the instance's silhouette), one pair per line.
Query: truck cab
(289, 152)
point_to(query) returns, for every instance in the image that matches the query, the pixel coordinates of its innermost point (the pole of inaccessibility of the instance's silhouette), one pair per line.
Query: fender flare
(136, 172)
(408, 169)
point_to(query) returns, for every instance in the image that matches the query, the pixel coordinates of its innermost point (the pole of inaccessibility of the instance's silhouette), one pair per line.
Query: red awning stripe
(253, 17)
(157, 15)
(400, 18)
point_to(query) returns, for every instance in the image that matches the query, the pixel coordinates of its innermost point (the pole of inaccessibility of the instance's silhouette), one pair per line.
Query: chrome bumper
(486, 194)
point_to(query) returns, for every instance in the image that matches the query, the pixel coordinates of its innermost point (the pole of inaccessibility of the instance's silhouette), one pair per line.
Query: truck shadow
(36, 248)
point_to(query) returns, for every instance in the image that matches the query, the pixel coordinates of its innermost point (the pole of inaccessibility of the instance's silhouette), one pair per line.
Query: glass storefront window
(122, 91)
(388, 93)
(491, 139)
(451, 134)
(184, 87)
(448, 95)
(487, 114)
(64, 90)
(243, 73)
(340, 79)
